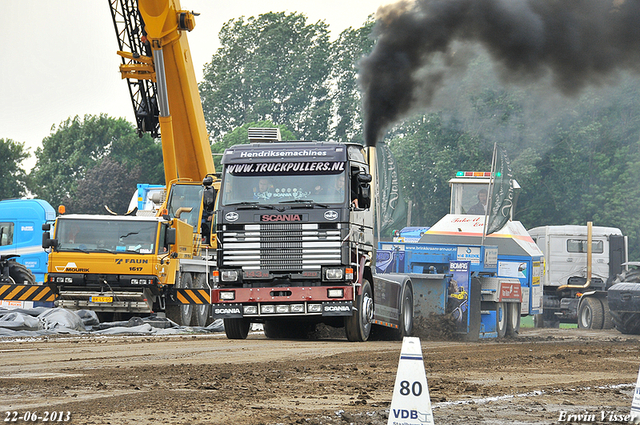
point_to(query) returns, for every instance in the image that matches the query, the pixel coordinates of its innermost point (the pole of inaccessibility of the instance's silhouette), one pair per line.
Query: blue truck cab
(21, 223)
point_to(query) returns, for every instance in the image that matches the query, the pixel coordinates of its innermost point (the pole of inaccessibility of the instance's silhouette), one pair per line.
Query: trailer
(485, 283)
(486, 288)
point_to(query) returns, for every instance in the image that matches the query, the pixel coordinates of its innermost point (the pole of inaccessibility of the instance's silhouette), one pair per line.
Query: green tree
(77, 145)
(346, 98)
(273, 67)
(429, 151)
(13, 178)
(108, 184)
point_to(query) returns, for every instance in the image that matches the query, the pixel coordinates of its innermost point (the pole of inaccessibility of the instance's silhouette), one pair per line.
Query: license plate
(101, 299)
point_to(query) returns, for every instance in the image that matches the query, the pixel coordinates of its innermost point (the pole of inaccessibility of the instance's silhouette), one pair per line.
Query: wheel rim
(514, 315)
(502, 317)
(585, 317)
(367, 311)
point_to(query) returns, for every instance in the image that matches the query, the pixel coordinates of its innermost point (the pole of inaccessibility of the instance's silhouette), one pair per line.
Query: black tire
(632, 276)
(405, 325)
(538, 321)
(608, 320)
(590, 314)
(20, 274)
(501, 320)
(284, 329)
(201, 312)
(272, 330)
(627, 323)
(513, 319)
(358, 326)
(181, 313)
(237, 328)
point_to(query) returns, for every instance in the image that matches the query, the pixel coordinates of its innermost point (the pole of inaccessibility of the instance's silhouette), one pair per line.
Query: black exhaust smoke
(576, 42)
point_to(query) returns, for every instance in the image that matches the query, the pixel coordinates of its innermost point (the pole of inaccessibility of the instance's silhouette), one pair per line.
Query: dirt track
(198, 379)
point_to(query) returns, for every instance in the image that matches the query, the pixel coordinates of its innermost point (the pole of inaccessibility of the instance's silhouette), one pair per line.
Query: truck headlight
(229, 275)
(250, 309)
(297, 308)
(315, 308)
(227, 295)
(267, 309)
(333, 274)
(282, 308)
(335, 293)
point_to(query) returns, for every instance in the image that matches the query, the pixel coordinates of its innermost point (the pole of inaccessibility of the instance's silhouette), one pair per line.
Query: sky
(58, 58)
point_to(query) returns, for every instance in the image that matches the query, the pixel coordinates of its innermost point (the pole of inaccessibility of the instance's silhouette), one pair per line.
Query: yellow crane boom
(185, 141)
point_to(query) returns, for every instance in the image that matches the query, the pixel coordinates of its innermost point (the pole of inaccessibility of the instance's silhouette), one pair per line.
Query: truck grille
(281, 247)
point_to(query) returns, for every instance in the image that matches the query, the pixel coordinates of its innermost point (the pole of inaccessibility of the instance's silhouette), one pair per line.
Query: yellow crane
(162, 262)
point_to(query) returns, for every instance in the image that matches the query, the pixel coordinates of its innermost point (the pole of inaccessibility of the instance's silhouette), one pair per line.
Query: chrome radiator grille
(281, 247)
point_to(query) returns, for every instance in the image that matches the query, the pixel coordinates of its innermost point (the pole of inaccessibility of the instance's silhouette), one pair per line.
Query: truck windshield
(329, 188)
(110, 235)
(469, 198)
(187, 196)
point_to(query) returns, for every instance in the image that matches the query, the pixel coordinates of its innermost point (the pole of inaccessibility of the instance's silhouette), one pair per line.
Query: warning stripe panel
(193, 296)
(26, 293)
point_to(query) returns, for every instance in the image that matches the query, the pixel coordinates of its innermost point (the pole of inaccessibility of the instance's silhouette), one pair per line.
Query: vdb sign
(410, 414)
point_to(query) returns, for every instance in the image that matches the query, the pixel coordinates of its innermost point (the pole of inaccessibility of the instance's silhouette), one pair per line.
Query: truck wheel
(237, 328)
(607, 322)
(590, 314)
(405, 325)
(279, 329)
(513, 319)
(20, 274)
(200, 311)
(627, 323)
(272, 330)
(181, 313)
(501, 320)
(358, 326)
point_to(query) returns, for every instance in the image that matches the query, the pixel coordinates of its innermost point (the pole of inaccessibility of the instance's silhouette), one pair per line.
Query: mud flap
(226, 311)
(189, 296)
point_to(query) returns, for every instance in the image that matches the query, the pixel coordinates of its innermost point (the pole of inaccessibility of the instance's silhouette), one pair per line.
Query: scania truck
(295, 224)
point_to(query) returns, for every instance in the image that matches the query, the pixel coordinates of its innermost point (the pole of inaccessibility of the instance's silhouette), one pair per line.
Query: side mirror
(47, 242)
(170, 237)
(364, 178)
(365, 190)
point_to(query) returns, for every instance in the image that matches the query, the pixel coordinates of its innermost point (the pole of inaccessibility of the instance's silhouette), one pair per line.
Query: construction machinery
(142, 264)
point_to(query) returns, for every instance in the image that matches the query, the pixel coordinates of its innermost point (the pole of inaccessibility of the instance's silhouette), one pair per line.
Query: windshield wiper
(76, 250)
(103, 250)
(308, 203)
(250, 205)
